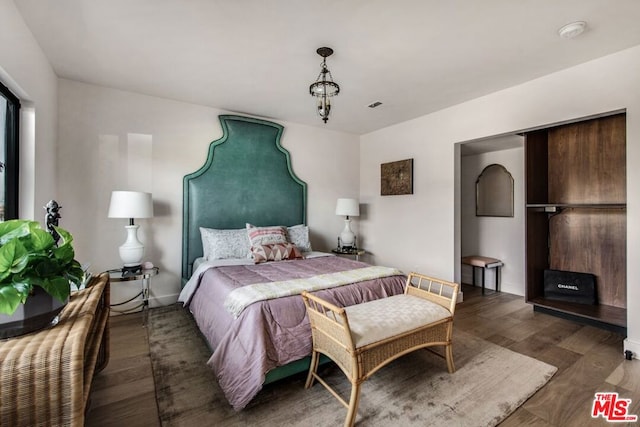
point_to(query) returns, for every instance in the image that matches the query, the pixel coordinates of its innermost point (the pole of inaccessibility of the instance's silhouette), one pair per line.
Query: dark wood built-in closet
(576, 214)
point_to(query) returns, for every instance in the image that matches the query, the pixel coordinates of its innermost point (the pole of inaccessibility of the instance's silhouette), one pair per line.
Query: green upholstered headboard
(247, 177)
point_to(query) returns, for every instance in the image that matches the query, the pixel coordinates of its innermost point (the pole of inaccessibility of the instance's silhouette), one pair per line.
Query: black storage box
(570, 286)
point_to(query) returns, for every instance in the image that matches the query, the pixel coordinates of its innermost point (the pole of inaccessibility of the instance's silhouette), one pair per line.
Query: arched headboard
(247, 177)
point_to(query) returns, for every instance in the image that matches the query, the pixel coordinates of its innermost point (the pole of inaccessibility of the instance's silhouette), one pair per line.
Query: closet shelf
(557, 207)
(615, 316)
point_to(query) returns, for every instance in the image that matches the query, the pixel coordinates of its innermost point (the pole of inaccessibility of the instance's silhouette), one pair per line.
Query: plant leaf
(13, 229)
(74, 273)
(43, 266)
(41, 240)
(10, 299)
(13, 258)
(23, 287)
(65, 236)
(64, 254)
(57, 287)
(7, 253)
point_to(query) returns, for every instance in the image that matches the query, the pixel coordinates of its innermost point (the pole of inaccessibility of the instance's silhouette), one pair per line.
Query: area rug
(490, 383)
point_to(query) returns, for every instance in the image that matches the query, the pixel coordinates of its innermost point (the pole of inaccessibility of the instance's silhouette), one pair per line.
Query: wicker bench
(363, 338)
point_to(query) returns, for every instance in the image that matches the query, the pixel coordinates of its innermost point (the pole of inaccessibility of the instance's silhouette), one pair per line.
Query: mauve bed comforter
(271, 333)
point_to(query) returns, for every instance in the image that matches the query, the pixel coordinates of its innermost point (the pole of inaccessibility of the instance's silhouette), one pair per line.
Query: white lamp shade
(130, 204)
(348, 207)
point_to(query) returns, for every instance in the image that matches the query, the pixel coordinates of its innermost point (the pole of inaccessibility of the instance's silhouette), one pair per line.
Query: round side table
(118, 275)
(356, 253)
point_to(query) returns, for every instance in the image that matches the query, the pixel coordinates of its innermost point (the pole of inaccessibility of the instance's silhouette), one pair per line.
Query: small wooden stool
(483, 262)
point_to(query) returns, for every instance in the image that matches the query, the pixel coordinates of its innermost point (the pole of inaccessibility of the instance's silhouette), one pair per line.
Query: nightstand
(355, 253)
(117, 275)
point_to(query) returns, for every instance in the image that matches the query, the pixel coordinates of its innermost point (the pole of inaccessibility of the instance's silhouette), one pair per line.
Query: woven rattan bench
(363, 338)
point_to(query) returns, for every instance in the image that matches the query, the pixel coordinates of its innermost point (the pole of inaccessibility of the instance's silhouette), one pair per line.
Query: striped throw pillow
(266, 235)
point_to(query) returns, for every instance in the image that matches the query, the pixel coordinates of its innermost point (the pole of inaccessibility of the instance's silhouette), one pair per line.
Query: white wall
(25, 70)
(422, 231)
(496, 237)
(110, 139)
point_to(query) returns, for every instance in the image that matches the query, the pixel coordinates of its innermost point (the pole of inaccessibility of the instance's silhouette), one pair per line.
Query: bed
(247, 187)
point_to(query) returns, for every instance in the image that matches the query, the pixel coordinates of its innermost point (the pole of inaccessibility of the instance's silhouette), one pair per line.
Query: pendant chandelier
(324, 87)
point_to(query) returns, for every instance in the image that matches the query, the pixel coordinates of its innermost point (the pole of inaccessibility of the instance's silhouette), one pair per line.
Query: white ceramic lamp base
(132, 250)
(347, 238)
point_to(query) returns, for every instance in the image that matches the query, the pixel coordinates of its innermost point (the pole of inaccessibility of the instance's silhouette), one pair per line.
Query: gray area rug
(490, 383)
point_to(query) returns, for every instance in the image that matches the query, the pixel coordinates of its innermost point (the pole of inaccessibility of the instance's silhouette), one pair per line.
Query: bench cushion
(387, 317)
(481, 261)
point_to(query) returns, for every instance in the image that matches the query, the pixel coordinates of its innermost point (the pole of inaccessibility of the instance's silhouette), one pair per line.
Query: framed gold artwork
(396, 178)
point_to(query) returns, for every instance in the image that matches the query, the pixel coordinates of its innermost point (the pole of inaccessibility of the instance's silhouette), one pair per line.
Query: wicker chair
(363, 338)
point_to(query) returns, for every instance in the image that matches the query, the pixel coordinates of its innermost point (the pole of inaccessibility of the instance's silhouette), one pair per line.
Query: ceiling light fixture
(573, 29)
(324, 87)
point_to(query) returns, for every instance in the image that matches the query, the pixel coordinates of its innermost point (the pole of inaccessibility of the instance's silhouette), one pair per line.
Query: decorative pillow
(275, 252)
(299, 236)
(266, 235)
(224, 244)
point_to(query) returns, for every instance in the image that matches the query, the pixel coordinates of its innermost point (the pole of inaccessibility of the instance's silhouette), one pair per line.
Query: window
(9, 131)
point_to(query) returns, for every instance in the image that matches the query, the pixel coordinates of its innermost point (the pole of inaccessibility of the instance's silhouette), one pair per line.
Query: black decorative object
(51, 218)
(129, 271)
(570, 286)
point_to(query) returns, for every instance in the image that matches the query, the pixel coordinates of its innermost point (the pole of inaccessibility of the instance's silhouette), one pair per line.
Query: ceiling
(487, 145)
(258, 57)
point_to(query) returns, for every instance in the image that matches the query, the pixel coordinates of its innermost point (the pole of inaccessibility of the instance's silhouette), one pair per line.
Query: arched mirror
(494, 192)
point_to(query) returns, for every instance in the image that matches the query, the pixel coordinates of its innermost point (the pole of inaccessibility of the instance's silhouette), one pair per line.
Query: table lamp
(347, 208)
(131, 204)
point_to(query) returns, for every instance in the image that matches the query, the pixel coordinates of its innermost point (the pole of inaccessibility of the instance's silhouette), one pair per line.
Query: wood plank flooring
(589, 360)
(124, 392)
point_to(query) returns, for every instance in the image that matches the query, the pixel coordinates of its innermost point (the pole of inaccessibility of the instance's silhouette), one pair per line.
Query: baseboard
(160, 301)
(467, 277)
(633, 347)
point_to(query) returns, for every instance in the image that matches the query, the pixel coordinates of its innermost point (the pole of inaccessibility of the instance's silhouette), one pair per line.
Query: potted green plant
(35, 276)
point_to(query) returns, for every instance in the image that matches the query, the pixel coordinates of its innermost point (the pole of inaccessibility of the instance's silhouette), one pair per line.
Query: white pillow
(224, 244)
(299, 236)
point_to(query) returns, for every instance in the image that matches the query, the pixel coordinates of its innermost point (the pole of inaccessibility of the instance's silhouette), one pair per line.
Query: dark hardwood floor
(589, 360)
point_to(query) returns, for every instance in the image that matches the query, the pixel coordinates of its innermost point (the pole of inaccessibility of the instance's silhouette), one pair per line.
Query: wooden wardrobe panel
(536, 168)
(537, 253)
(587, 161)
(592, 241)
(576, 184)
